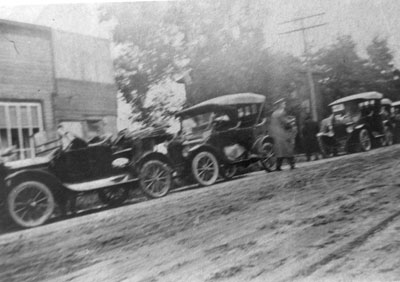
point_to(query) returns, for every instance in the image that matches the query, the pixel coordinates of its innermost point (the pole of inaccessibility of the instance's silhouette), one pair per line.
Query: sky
(362, 19)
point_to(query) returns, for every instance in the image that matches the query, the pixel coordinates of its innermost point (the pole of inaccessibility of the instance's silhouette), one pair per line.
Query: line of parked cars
(216, 137)
(359, 122)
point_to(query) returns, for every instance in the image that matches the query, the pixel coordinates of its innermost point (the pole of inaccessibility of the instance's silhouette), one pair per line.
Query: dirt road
(327, 220)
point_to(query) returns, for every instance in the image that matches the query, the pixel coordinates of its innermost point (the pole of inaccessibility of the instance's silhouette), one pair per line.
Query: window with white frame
(18, 122)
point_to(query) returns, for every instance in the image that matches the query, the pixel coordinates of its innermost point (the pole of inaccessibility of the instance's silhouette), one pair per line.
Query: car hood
(28, 163)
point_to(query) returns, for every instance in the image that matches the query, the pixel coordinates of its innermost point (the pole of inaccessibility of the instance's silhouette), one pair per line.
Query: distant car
(357, 124)
(219, 135)
(395, 111)
(32, 188)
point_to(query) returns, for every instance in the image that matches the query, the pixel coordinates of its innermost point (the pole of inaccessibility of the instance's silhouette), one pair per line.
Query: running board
(100, 183)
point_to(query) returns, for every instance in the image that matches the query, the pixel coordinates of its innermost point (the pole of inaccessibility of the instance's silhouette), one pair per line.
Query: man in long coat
(283, 131)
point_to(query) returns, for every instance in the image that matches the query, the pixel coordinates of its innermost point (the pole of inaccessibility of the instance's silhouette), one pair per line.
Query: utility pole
(302, 29)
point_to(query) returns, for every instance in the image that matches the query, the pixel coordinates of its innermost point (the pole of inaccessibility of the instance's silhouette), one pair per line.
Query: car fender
(359, 126)
(45, 177)
(204, 147)
(261, 140)
(151, 156)
(353, 138)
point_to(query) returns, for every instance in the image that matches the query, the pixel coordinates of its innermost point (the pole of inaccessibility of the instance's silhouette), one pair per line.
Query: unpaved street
(327, 220)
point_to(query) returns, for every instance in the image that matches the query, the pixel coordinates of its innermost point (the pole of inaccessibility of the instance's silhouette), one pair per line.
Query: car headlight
(185, 151)
(349, 129)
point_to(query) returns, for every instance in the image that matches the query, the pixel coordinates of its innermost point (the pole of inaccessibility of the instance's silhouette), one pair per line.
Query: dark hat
(277, 102)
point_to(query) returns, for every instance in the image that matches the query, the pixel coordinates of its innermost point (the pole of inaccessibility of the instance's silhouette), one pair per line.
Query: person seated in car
(69, 140)
(352, 114)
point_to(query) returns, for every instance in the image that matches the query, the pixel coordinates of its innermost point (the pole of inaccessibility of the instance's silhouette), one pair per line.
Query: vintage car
(356, 124)
(32, 188)
(396, 105)
(219, 135)
(395, 118)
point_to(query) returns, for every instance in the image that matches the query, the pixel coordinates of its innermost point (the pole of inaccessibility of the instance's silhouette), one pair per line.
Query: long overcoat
(283, 134)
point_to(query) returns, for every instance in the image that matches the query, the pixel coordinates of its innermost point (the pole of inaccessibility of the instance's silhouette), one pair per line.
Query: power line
(302, 18)
(303, 30)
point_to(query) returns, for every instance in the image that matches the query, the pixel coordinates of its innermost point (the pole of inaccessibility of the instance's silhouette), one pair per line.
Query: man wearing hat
(282, 130)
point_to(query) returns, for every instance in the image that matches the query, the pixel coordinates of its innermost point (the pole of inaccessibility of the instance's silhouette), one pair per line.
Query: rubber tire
(270, 166)
(16, 190)
(168, 181)
(195, 162)
(365, 133)
(107, 197)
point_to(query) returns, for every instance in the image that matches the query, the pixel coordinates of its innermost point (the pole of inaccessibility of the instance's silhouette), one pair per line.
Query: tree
(342, 71)
(146, 51)
(382, 73)
(221, 42)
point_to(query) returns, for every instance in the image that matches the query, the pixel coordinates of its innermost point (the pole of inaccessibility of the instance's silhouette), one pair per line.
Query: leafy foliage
(344, 72)
(221, 44)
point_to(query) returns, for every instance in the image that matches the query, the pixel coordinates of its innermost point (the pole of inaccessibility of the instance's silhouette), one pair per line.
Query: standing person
(282, 130)
(310, 141)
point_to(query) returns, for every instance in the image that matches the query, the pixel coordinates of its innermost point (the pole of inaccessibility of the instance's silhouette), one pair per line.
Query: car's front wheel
(155, 178)
(30, 204)
(268, 159)
(364, 140)
(205, 168)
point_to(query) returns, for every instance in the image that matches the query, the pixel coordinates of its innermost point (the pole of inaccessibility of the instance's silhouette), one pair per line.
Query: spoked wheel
(365, 140)
(30, 204)
(113, 196)
(155, 179)
(228, 171)
(205, 168)
(388, 137)
(268, 160)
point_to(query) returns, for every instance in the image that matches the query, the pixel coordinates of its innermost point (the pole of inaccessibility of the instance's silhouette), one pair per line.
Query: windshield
(45, 142)
(348, 112)
(196, 125)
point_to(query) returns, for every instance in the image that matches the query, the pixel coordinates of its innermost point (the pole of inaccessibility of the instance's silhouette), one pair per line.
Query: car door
(246, 132)
(72, 164)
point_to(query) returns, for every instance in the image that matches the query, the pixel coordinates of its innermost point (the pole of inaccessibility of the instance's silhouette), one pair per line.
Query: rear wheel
(30, 204)
(205, 168)
(365, 140)
(155, 178)
(113, 196)
(268, 159)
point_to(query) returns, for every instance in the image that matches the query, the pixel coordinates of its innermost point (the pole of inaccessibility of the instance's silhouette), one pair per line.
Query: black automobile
(219, 135)
(32, 188)
(395, 115)
(356, 124)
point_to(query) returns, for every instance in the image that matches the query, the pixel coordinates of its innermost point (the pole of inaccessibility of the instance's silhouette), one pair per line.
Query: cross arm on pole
(303, 28)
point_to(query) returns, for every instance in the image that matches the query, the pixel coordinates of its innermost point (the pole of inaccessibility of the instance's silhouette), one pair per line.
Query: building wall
(86, 91)
(26, 69)
(82, 57)
(48, 77)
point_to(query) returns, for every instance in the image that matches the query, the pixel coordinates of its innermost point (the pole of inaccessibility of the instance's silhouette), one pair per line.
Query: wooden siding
(26, 66)
(81, 57)
(80, 100)
(71, 75)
